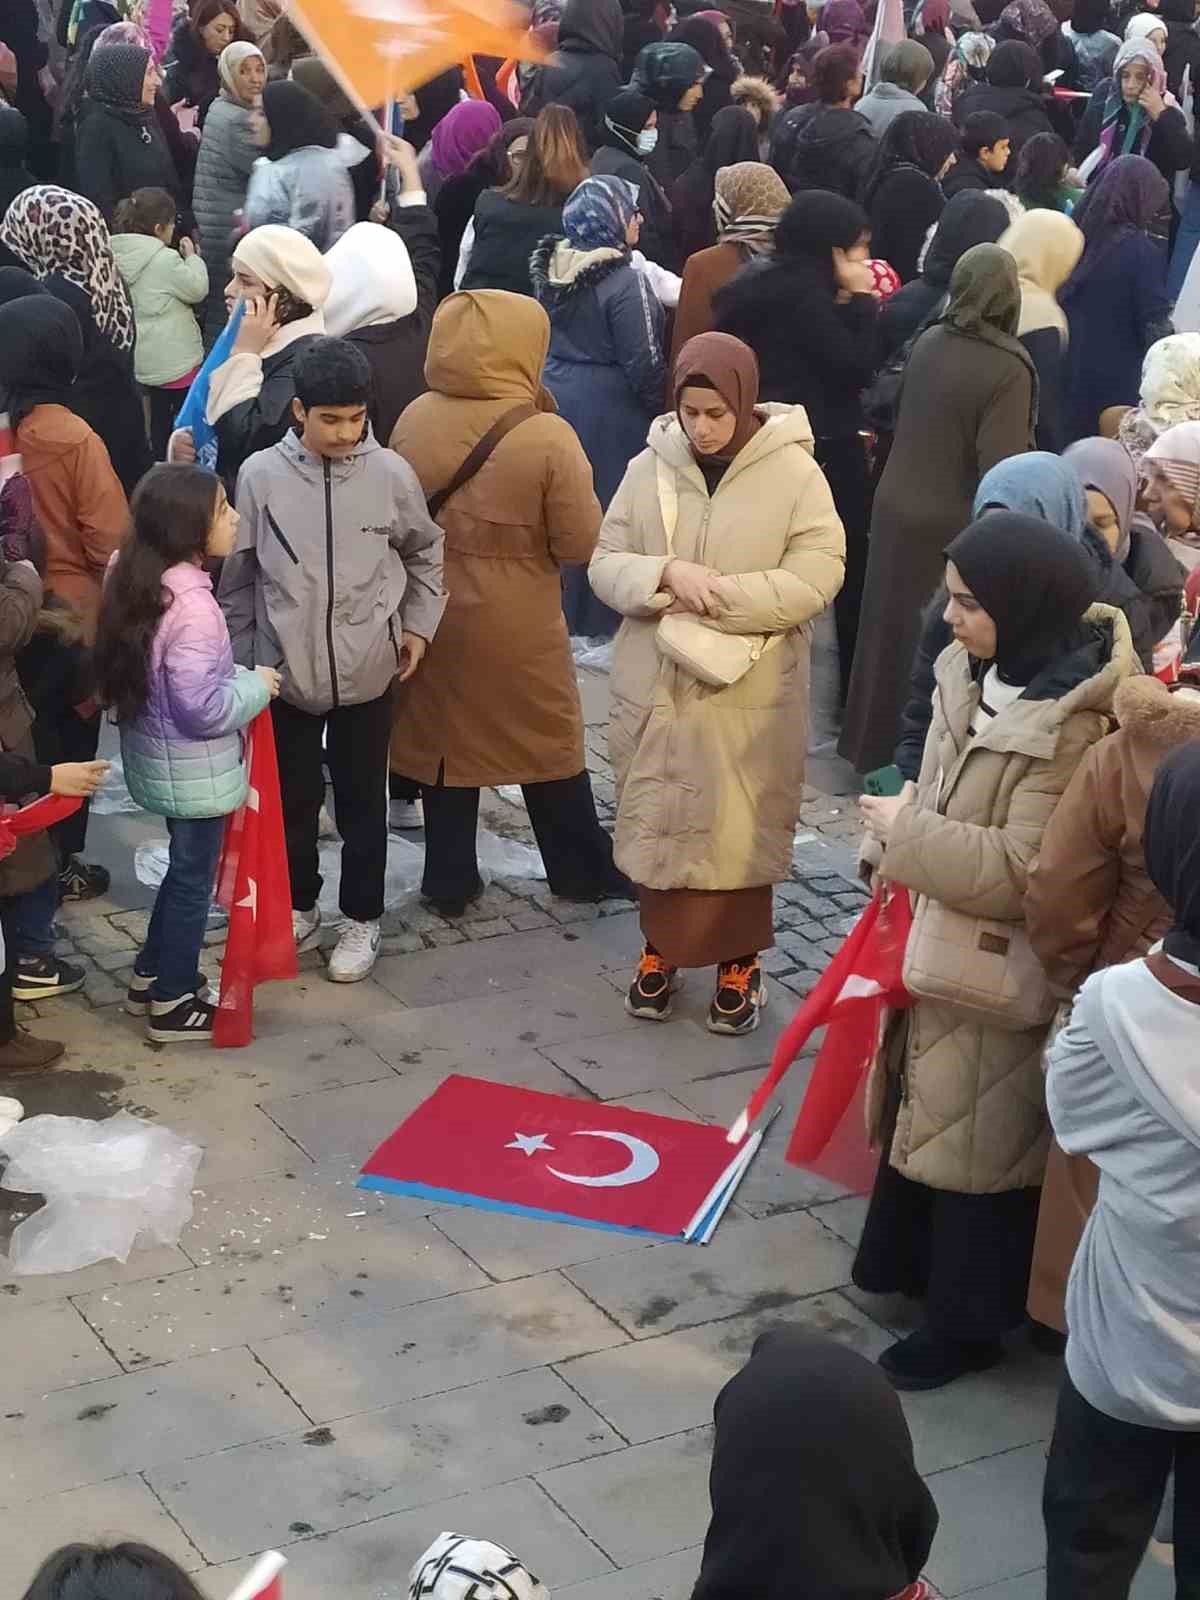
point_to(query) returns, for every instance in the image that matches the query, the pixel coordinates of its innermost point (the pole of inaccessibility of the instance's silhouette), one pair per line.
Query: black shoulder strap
(481, 452)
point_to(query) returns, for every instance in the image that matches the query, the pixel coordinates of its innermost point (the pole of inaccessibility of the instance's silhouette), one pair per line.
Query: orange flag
(378, 49)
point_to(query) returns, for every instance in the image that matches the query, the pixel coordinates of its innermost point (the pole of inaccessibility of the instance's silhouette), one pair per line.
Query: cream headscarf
(1046, 247)
(228, 63)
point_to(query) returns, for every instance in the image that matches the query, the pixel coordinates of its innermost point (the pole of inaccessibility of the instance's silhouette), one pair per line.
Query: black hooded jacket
(971, 218)
(823, 147)
(1183, 44)
(14, 174)
(586, 70)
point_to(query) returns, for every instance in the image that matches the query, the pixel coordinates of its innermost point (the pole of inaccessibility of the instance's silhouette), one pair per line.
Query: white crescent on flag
(643, 1162)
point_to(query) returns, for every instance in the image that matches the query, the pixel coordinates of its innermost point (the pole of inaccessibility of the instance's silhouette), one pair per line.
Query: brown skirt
(701, 927)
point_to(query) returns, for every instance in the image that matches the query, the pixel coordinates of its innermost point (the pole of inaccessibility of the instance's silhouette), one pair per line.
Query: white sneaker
(355, 952)
(306, 929)
(405, 815)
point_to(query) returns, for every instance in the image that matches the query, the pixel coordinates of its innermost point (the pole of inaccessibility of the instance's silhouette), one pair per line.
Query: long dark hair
(1041, 167)
(81, 1571)
(172, 512)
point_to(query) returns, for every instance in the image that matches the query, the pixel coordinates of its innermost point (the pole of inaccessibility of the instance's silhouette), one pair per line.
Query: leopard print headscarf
(56, 231)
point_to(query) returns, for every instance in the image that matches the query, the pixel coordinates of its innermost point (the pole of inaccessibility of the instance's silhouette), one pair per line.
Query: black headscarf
(1033, 580)
(1014, 65)
(918, 139)
(1171, 841)
(625, 115)
(665, 72)
(813, 1485)
(296, 118)
(16, 283)
(733, 137)
(705, 37)
(970, 218)
(41, 351)
(14, 142)
(815, 221)
(114, 79)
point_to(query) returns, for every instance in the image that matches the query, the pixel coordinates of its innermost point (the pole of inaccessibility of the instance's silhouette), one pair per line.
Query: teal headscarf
(1036, 484)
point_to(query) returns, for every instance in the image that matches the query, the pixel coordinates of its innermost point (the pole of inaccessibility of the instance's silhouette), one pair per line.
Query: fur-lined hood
(557, 268)
(1164, 716)
(757, 95)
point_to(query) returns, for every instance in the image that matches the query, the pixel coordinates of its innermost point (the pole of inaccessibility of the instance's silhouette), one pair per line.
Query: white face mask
(646, 141)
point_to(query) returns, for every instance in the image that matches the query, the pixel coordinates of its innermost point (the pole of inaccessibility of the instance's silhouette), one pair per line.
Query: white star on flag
(530, 1143)
(251, 900)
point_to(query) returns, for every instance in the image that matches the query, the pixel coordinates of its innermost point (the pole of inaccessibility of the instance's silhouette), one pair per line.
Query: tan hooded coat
(709, 780)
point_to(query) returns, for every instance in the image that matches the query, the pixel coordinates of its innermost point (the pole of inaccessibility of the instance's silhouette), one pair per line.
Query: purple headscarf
(461, 135)
(1124, 199)
(845, 22)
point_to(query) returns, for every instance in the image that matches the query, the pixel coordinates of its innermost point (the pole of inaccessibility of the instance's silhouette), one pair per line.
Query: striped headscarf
(598, 213)
(749, 200)
(1176, 454)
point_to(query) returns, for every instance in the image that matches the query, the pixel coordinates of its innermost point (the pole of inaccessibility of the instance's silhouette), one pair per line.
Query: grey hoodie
(1123, 1087)
(333, 561)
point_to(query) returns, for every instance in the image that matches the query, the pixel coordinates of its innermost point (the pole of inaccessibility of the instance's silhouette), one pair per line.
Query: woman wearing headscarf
(705, 37)
(966, 65)
(1148, 25)
(14, 144)
(454, 208)
(284, 282)
(826, 144)
(1012, 89)
(813, 1473)
(809, 314)
(1032, 22)
(456, 141)
(748, 202)
(606, 367)
(303, 182)
(199, 39)
(1046, 247)
(228, 151)
(845, 22)
(907, 68)
(955, 1101)
(672, 77)
(969, 400)
(498, 702)
(1115, 300)
(312, 73)
(970, 218)
(709, 779)
(1171, 487)
(1120, 1088)
(1130, 114)
(62, 239)
(585, 72)
(627, 141)
(734, 138)
(903, 197)
(1169, 393)
(121, 147)
(1095, 46)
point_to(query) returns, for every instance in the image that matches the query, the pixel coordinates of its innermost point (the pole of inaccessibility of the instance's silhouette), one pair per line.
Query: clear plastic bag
(113, 797)
(106, 1184)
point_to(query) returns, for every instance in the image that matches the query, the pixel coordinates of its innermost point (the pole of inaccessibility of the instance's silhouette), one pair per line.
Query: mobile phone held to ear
(884, 782)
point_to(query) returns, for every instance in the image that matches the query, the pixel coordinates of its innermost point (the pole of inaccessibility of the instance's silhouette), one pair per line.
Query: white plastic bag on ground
(497, 857)
(113, 797)
(595, 654)
(105, 1184)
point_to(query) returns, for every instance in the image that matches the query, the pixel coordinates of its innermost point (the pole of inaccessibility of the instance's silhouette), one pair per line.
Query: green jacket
(164, 286)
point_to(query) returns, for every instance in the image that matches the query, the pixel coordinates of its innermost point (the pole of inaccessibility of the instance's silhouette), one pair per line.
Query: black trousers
(164, 408)
(844, 463)
(1104, 1483)
(401, 788)
(576, 849)
(356, 753)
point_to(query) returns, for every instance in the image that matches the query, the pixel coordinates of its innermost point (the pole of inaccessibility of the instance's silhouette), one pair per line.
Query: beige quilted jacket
(972, 1114)
(709, 780)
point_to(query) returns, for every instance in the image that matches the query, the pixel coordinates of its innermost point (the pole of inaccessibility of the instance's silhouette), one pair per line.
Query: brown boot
(25, 1054)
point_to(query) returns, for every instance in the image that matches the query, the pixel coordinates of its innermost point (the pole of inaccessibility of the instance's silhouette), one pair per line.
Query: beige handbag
(701, 649)
(985, 969)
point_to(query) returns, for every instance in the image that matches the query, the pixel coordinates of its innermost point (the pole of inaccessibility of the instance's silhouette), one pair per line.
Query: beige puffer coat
(709, 780)
(972, 1115)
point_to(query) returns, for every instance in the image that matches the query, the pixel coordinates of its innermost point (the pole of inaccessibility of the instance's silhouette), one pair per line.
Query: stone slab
(302, 1062)
(991, 1521)
(670, 1577)
(50, 1347)
(436, 977)
(439, 1345)
(987, 1413)
(158, 1262)
(655, 1056)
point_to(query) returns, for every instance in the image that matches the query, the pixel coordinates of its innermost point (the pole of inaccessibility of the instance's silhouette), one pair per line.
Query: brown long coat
(495, 700)
(705, 272)
(1090, 904)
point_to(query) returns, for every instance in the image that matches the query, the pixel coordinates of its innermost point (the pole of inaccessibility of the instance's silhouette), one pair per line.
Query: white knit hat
(285, 259)
(457, 1567)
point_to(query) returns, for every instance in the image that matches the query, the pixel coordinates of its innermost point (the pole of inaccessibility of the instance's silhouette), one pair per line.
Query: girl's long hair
(554, 165)
(172, 512)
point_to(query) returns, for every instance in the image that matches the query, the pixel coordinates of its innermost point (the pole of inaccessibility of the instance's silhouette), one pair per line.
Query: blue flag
(193, 413)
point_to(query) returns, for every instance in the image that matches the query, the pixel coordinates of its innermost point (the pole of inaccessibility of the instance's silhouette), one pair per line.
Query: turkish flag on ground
(253, 886)
(263, 1581)
(505, 1148)
(862, 982)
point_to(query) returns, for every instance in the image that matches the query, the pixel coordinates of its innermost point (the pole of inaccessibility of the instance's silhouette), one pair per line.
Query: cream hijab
(1046, 247)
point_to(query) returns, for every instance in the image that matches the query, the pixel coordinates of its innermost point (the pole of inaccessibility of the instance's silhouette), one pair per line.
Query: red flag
(33, 818)
(505, 1148)
(264, 1580)
(862, 981)
(253, 886)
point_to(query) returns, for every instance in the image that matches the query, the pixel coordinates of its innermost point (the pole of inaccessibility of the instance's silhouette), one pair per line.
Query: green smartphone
(884, 781)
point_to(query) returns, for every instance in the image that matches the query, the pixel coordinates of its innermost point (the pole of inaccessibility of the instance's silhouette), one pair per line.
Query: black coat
(657, 242)
(811, 351)
(191, 72)
(395, 351)
(903, 207)
(1046, 351)
(506, 234)
(968, 174)
(454, 207)
(115, 155)
(1022, 109)
(1169, 146)
(1183, 44)
(259, 423)
(823, 147)
(586, 71)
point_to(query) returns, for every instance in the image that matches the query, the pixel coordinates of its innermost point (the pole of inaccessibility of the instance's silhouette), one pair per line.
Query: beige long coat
(709, 780)
(972, 1115)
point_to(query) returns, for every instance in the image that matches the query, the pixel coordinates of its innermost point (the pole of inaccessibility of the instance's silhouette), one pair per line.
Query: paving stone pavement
(343, 1374)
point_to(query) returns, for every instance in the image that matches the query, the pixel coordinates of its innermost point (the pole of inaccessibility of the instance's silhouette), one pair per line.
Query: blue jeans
(1186, 240)
(31, 918)
(171, 953)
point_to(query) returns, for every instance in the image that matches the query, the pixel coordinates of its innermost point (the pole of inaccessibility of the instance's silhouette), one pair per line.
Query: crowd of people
(700, 328)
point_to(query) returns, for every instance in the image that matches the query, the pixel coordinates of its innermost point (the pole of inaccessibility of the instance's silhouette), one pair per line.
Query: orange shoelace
(738, 976)
(651, 965)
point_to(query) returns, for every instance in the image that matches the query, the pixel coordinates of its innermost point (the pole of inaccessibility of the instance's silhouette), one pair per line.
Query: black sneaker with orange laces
(653, 985)
(741, 995)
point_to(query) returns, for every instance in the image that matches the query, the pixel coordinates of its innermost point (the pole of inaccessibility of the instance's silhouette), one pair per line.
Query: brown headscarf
(719, 361)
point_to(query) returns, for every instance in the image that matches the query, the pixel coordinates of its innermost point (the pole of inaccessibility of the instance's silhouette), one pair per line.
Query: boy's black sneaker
(81, 880)
(653, 984)
(43, 977)
(137, 996)
(180, 1021)
(740, 997)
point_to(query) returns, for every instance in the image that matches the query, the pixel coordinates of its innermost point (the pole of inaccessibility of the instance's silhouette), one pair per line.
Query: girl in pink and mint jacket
(165, 669)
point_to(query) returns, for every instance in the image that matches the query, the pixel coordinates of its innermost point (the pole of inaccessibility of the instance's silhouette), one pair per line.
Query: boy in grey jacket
(336, 581)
